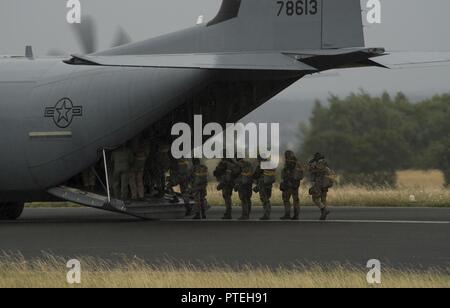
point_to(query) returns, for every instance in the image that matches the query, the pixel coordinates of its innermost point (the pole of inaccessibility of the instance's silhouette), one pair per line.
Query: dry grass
(414, 188)
(359, 196)
(420, 179)
(51, 272)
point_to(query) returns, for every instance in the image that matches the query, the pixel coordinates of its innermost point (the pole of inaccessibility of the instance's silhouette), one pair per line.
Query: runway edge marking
(317, 221)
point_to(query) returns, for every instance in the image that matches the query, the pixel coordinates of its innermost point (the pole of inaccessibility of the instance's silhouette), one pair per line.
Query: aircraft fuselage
(55, 118)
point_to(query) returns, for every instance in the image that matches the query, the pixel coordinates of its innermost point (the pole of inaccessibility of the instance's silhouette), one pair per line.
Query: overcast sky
(412, 25)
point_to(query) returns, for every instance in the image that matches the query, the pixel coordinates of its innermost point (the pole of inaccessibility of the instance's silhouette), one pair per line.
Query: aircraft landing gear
(10, 210)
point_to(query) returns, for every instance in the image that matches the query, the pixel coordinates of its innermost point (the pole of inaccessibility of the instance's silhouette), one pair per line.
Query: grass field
(414, 188)
(51, 272)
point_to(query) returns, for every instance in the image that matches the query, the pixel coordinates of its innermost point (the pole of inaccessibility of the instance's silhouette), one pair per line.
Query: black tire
(11, 210)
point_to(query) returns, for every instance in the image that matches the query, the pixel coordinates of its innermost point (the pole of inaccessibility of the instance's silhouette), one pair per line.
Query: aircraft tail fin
(263, 26)
(290, 24)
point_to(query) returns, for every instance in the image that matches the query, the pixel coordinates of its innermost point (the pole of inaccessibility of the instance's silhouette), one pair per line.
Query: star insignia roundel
(63, 113)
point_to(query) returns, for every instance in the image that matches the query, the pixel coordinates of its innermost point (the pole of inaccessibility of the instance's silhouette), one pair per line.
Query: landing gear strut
(10, 210)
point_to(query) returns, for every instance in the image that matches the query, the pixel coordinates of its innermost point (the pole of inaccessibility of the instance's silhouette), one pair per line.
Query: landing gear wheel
(11, 210)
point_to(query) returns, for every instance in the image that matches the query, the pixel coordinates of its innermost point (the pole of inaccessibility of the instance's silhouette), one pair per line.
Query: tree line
(368, 138)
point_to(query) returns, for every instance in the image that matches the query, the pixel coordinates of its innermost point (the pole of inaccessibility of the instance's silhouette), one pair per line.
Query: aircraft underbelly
(72, 119)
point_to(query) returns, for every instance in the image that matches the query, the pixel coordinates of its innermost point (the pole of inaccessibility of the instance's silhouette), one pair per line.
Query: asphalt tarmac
(407, 238)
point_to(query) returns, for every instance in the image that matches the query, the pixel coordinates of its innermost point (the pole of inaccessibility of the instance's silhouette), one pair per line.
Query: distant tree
(367, 139)
(432, 147)
(438, 155)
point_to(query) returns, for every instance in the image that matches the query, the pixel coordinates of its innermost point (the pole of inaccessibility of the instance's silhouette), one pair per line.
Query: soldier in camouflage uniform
(226, 172)
(243, 185)
(264, 184)
(180, 172)
(199, 188)
(291, 177)
(160, 166)
(141, 152)
(172, 180)
(321, 181)
(148, 175)
(122, 159)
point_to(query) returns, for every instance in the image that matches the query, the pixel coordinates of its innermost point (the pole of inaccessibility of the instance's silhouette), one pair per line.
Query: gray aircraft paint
(120, 101)
(258, 28)
(117, 103)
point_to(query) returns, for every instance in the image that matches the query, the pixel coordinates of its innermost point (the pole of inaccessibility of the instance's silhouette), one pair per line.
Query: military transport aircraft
(59, 115)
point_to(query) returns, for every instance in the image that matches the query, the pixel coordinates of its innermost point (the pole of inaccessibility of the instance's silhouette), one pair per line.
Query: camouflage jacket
(292, 175)
(122, 159)
(163, 160)
(199, 178)
(264, 177)
(226, 172)
(180, 171)
(140, 158)
(318, 172)
(245, 178)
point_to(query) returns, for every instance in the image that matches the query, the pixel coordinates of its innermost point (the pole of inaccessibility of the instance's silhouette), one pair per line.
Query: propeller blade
(121, 38)
(86, 34)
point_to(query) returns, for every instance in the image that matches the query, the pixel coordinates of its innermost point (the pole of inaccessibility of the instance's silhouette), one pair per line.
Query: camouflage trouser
(287, 195)
(227, 193)
(245, 195)
(265, 193)
(319, 196)
(148, 181)
(160, 180)
(171, 183)
(184, 190)
(200, 201)
(137, 184)
(121, 180)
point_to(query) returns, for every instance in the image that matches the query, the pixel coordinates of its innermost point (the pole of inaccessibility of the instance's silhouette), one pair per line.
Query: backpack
(269, 177)
(246, 173)
(298, 173)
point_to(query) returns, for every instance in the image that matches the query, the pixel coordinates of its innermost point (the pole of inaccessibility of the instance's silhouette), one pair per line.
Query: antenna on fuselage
(29, 52)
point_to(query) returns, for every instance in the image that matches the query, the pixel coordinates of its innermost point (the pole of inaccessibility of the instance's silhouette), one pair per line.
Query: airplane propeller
(122, 38)
(86, 34)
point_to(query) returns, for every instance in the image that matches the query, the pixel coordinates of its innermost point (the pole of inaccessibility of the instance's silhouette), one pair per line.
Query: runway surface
(401, 238)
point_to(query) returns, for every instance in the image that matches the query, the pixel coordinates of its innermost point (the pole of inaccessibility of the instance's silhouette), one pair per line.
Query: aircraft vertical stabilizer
(263, 26)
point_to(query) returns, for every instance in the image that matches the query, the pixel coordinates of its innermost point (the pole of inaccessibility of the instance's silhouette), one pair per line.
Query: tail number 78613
(298, 8)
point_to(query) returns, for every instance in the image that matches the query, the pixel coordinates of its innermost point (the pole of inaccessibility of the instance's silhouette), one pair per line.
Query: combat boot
(175, 199)
(245, 212)
(287, 216)
(296, 214)
(324, 214)
(188, 210)
(287, 212)
(160, 194)
(203, 214)
(227, 217)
